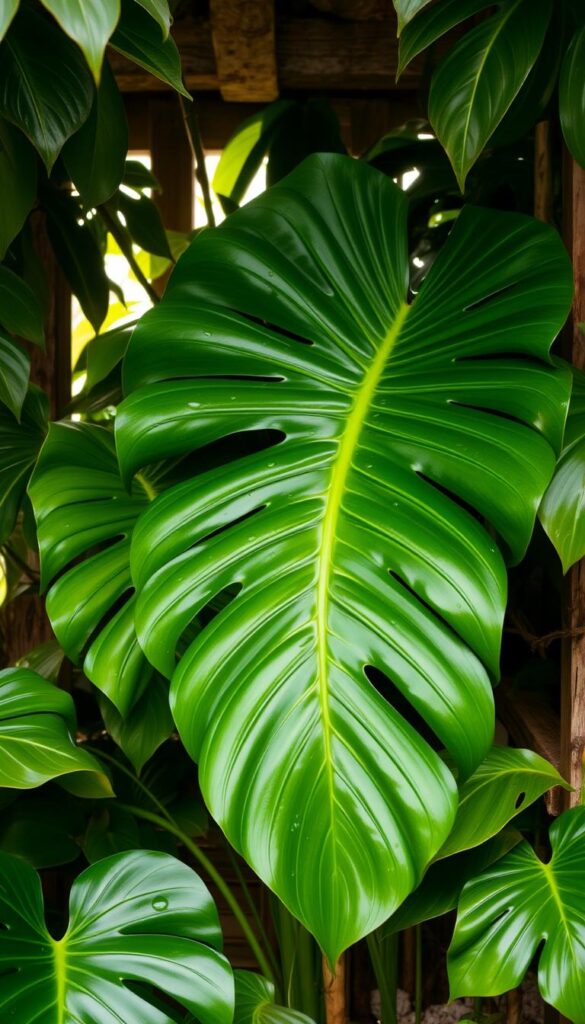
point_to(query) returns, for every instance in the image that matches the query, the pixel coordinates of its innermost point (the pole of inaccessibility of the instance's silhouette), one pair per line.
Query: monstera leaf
(137, 920)
(357, 575)
(37, 723)
(562, 512)
(509, 910)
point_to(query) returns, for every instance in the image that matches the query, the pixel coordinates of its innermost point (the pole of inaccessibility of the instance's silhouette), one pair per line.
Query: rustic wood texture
(334, 990)
(543, 177)
(242, 32)
(172, 163)
(315, 54)
(573, 659)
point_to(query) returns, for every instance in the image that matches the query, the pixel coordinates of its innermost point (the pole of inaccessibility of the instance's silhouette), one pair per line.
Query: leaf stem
(194, 136)
(418, 976)
(125, 245)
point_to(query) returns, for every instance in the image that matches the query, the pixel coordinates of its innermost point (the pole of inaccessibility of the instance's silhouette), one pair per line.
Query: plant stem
(253, 909)
(418, 976)
(334, 990)
(194, 136)
(125, 245)
(169, 825)
(384, 956)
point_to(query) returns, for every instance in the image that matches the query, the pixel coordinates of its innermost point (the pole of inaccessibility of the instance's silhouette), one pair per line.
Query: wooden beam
(312, 54)
(242, 32)
(172, 163)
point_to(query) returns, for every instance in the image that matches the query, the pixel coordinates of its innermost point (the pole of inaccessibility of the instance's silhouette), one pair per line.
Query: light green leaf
(407, 10)
(89, 23)
(45, 86)
(572, 96)
(105, 351)
(432, 23)
(135, 917)
(138, 38)
(37, 722)
(18, 182)
(7, 12)
(20, 309)
(477, 82)
(14, 371)
(46, 660)
(506, 912)
(96, 155)
(159, 10)
(562, 512)
(506, 782)
(245, 151)
(338, 545)
(255, 1002)
(80, 503)
(20, 444)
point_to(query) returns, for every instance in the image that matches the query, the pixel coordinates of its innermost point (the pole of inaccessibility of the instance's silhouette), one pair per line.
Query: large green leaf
(137, 920)
(20, 310)
(80, 503)
(572, 96)
(432, 23)
(347, 544)
(477, 82)
(508, 911)
(562, 512)
(37, 721)
(256, 1004)
(18, 182)
(89, 23)
(45, 86)
(505, 783)
(95, 156)
(138, 37)
(20, 444)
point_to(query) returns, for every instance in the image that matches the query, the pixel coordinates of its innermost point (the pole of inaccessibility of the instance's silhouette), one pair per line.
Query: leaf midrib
(337, 485)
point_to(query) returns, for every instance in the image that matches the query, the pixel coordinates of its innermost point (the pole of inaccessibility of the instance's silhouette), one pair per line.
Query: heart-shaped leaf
(562, 512)
(37, 722)
(137, 920)
(346, 545)
(89, 23)
(509, 910)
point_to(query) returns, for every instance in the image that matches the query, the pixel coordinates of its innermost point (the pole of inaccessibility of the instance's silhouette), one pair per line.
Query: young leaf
(341, 545)
(14, 371)
(95, 156)
(80, 503)
(506, 782)
(509, 910)
(256, 1002)
(37, 723)
(135, 917)
(572, 96)
(89, 23)
(477, 82)
(18, 182)
(20, 444)
(20, 310)
(138, 38)
(562, 511)
(45, 86)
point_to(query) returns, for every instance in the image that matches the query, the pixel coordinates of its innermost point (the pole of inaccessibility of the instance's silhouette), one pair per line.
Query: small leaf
(506, 782)
(135, 917)
(144, 224)
(572, 96)
(7, 11)
(78, 253)
(95, 156)
(14, 371)
(18, 182)
(37, 721)
(159, 10)
(20, 444)
(562, 511)
(139, 177)
(255, 1002)
(89, 23)
(477, 82)
(20, 310)
(510, 909)
(45, 86)
(138, 38)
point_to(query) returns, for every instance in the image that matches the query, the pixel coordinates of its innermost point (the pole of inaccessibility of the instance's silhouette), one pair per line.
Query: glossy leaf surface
(432, 23)
(89, 23)
(140, 917)
(246, 149)
(14, 371)
(159, 10)
(20, 443)
(407, 10)
(20, 309)
(505, 783)
(45, 85)
(506, 912)
(96, 155)
(147, 724)
(18, 182)
(80, 504)
(483, 73)
(572, 96)
(255, 1002)
(37, 721)
(342, 544)
(562, 512)
(138, 37)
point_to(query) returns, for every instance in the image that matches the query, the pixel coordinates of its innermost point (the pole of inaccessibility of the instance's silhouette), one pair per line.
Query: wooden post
(334, 992)
(244, 45)
(573, 656)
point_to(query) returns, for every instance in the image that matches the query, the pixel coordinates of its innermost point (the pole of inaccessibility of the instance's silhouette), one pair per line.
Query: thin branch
(194, 136)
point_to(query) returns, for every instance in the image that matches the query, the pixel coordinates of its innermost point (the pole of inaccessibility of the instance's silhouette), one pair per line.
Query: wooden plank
(573, 655)
(530, 722)
(172, 163)
(242, 32)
